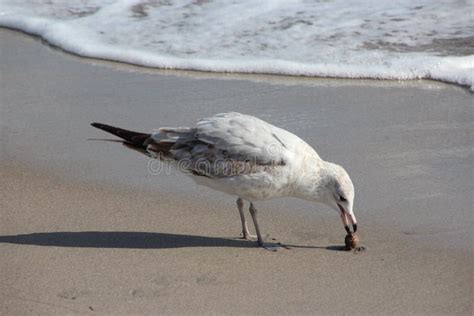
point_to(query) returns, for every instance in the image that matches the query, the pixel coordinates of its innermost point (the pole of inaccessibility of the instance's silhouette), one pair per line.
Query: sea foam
(405, 39)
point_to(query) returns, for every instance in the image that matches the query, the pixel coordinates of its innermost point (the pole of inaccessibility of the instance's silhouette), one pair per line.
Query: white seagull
(249, 158)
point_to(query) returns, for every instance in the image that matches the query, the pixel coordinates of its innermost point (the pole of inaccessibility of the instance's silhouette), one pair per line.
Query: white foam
(407, 39)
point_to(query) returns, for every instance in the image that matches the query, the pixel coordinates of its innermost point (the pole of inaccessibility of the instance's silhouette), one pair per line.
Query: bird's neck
(311, 185)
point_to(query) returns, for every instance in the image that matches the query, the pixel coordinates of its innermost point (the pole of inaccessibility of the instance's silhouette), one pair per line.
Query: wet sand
(87, 228)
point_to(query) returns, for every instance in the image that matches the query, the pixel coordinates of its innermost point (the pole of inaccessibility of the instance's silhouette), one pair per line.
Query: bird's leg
(245, 230)
(253, 212)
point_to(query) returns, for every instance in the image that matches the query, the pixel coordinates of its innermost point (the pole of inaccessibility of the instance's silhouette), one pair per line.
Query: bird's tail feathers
(140, 142)
(131, 137)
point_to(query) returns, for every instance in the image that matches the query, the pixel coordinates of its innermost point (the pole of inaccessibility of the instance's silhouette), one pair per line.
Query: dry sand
(85, 228)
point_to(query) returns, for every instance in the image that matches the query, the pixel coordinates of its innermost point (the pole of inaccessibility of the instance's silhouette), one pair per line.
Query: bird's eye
(342, 199)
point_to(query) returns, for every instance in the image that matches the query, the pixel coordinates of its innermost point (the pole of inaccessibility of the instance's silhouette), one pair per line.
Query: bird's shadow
(131, 240)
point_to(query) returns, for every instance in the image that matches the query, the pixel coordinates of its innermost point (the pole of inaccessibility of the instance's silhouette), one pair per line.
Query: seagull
(249, 158)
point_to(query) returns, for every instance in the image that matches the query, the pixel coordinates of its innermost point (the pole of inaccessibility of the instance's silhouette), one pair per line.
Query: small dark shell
(351, 241)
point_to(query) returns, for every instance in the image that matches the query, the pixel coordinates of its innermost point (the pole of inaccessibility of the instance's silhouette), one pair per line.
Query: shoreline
(86, 228)
(272, 78)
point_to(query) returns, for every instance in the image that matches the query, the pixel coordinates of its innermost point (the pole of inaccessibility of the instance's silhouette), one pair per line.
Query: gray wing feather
(239, 142)
(242, 137)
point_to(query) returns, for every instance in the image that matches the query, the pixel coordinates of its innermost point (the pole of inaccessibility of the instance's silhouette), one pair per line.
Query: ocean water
(380, 39)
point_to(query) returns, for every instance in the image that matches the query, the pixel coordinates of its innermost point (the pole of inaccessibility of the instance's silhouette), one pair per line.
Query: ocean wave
(368, 39)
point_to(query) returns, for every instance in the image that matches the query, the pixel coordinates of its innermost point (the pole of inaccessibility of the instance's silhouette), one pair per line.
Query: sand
(87, 228)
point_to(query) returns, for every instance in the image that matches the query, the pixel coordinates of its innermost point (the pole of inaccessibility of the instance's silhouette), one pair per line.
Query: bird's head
(337, 191)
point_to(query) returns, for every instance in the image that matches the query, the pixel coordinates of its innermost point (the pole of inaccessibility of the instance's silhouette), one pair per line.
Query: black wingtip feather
(132, 137)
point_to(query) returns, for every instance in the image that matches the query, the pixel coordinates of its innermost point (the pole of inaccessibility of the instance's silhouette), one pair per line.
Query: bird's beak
(346, 218)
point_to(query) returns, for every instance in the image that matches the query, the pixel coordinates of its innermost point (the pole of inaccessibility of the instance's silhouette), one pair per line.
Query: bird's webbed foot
(248, 236)
(272, 246)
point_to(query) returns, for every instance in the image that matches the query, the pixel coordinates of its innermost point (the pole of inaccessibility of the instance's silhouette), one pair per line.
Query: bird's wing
(242, 143)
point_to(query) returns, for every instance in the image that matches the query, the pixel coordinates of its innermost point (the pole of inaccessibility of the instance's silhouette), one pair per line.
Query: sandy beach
(87, 228)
